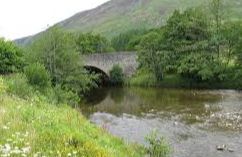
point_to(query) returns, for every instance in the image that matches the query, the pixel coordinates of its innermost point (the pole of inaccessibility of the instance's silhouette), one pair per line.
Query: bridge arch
(104, 77)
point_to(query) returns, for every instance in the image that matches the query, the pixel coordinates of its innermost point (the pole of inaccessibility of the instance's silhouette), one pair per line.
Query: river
(193, 122)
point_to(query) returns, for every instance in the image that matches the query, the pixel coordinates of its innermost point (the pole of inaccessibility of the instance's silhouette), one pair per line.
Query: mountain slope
(117, 16)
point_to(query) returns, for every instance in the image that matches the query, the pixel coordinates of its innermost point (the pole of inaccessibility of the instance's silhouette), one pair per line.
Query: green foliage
(2, 85)
(157, 146)
(184, 34)
(149, 55)
(143, 78)
(217, 9)
(232, 42)
(56, 50)
(116, 75)
(89, 43)
(11, 59)
(18, 85)
(197, 67)
(62, 96)
(163, 50)
(186, 46)
(187, 27)
(127, 41)
(37, 75)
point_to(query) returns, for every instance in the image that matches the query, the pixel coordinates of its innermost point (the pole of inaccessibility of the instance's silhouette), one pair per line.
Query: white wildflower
(6, 149)
(37, 154)
(26, 149)
(5, 127)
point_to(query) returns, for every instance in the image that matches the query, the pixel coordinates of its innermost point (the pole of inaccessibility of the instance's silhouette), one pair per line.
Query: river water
(193, 122)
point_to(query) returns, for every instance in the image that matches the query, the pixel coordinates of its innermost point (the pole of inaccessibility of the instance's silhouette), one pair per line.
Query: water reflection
(194, 121)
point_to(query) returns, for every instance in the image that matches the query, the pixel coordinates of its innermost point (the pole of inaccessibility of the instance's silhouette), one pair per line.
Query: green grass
(146, 79)
(31, 126)
(143, 78)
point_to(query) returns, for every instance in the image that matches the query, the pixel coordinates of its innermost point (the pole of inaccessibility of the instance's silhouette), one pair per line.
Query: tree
(127, 40)
(89, 43)
(232, 41)
(150, 54)
(56, 50)
(11, 57)
(217, 11)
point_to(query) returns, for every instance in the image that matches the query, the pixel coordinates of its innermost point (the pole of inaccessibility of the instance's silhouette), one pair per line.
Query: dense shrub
(18, 85)
(116, 75)
(37, 75)
(62, 96)
(143, 78)
(10, 57)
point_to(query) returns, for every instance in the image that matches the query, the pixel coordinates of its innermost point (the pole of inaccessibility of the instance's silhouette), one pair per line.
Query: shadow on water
(138, 101)
(96, 96)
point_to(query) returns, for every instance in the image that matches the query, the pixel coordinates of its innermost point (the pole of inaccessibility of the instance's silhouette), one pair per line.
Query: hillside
(117, 16)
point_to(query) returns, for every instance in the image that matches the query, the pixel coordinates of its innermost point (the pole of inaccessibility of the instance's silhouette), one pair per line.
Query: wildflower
(16, 151)
(37, 154)
(26, 149)
(26, 134)
(5, 127)
(6, 149)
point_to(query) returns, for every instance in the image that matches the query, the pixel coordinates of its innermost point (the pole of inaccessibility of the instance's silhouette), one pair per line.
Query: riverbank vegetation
(32, 125)
(196, 48)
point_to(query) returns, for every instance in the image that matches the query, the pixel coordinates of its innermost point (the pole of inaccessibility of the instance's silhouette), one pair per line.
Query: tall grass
(32, 126)
(143, 78)
(157, 146)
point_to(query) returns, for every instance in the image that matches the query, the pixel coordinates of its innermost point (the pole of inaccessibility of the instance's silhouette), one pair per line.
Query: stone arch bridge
(104, 62)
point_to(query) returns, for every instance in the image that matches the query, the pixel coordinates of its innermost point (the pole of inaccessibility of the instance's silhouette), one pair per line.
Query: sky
(20, 18)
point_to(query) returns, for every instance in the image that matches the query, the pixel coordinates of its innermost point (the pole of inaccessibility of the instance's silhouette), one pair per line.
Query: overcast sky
(19, 18)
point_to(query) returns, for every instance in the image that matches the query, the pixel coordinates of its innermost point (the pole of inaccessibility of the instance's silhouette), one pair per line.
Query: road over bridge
(104, 62)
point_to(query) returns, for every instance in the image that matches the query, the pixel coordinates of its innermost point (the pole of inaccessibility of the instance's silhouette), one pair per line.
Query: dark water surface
(194, 122)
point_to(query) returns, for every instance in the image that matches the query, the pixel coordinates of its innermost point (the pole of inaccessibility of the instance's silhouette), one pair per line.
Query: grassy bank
(35, 127)
(145, 79)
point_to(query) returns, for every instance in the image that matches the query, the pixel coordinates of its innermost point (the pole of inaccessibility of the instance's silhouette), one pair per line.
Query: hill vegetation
(119, 16)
